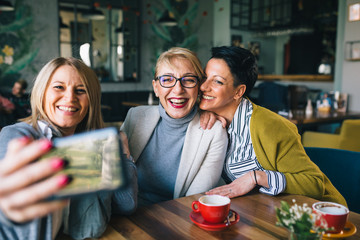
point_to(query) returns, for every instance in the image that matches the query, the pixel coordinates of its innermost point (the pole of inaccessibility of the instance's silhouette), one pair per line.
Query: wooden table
(170, 220)
(317, 118)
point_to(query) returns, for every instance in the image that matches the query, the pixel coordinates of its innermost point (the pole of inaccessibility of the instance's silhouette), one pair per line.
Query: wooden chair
(342, 167)
(348, 139)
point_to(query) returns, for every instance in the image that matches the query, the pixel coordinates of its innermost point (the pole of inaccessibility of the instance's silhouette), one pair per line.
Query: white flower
(9, 60)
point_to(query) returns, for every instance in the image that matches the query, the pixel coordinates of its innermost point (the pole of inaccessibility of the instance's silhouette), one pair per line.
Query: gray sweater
(158, 164)
(88, 215)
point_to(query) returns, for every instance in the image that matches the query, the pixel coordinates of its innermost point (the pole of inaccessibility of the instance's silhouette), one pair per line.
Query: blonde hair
(184, 53)
(93, 119)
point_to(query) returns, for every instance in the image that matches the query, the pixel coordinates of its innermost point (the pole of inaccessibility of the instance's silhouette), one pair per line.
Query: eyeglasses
(168, 81)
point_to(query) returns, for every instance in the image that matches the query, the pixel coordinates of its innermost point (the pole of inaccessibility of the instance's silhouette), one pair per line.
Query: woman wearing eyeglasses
(174, 156)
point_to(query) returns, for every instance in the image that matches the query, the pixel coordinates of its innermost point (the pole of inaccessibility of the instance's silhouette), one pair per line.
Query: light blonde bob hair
(92, 120)
(183, 53)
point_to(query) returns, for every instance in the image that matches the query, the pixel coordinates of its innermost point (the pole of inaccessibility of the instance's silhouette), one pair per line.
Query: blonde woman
(174, 156)
(65, 99)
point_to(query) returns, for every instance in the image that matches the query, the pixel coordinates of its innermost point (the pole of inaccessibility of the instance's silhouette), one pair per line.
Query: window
(109, 45)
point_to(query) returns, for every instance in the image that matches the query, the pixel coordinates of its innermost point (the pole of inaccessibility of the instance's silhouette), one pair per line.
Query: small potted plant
(300, 221)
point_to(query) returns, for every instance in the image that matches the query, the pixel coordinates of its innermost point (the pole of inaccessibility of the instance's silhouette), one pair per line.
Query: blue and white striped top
(240, 156)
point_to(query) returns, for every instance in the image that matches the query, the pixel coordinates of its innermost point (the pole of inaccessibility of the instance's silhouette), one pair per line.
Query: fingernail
(58, 163)
(46, 144)
(64, 180)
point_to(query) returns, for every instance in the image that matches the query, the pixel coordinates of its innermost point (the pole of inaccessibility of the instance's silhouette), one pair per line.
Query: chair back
(298, 97)
(350, 135)
(342, 167)
(273, 96)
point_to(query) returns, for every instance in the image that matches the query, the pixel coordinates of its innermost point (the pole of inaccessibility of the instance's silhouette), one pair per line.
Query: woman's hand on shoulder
(26, 183)
(208, 119)
(238, 187)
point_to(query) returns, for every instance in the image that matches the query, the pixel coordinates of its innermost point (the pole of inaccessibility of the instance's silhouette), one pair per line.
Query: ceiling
(102, 3)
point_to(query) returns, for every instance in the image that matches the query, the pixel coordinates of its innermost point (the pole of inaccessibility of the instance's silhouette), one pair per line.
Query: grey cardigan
(88, 216)
(202, 156)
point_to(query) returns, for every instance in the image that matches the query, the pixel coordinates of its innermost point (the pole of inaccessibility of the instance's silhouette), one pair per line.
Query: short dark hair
(242, 64)
(23, 83)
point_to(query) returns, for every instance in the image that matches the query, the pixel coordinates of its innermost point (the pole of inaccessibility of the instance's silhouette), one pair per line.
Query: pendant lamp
(167, 20)
(93, 14)
(6, 6)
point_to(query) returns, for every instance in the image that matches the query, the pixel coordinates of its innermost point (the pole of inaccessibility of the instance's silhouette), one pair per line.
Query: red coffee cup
(334, 214)
(213, 208)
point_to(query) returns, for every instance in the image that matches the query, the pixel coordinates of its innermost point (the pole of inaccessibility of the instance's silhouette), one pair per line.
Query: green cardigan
(278, 147)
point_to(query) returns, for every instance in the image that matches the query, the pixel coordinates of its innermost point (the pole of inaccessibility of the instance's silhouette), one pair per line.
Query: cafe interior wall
(203, 24)
(271, 60)
(46, 38)
(346, 73)
(348, 80)
(46, 31)
(215, 32)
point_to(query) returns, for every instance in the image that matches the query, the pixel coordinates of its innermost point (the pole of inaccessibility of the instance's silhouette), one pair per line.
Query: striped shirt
(240, 156)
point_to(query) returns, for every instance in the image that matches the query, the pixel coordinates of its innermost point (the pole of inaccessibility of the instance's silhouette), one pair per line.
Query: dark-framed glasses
(168, 81)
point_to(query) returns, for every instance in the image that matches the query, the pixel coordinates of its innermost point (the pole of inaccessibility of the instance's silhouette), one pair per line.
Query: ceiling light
(93, 14)
(167, 20)
(6, 6)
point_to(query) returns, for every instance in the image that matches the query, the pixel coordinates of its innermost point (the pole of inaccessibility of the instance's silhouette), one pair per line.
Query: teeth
(177, 100)
(68, 109)
(207, 97)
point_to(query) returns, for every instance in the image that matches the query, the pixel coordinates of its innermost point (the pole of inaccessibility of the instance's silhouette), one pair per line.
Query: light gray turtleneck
(158, 164)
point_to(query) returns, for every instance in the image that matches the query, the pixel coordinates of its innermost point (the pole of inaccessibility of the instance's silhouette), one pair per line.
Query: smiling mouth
(177, 101)
(207, 97)
(67, 109)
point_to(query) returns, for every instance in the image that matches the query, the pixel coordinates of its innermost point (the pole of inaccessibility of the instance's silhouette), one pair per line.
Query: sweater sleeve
(278, 147)
(40, 228)
(124, 201)
(7, 134)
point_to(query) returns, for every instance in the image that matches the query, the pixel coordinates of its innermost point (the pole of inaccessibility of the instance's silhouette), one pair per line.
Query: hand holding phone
(95, 162)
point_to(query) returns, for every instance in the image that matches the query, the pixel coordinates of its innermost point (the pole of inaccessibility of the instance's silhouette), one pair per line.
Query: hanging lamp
(6, 6)
(167, 19)
(93, 13)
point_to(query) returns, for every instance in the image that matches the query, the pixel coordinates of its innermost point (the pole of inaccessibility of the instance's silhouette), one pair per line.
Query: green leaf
(157, 12)
(190, 41)
(16, 25)
(21, 62)
(170, 8)
(161, 32)
(285, 206)
(190, 15)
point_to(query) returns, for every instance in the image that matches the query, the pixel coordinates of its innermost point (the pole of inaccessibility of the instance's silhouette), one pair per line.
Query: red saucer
(199, 220)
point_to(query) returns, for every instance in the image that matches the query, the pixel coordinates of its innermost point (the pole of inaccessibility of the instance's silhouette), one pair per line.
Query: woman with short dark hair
(265, 149)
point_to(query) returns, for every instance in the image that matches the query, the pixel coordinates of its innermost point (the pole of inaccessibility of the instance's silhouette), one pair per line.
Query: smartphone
(95, 162)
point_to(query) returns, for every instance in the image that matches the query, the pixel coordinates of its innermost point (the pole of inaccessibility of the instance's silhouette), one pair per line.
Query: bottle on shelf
(309, 108)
